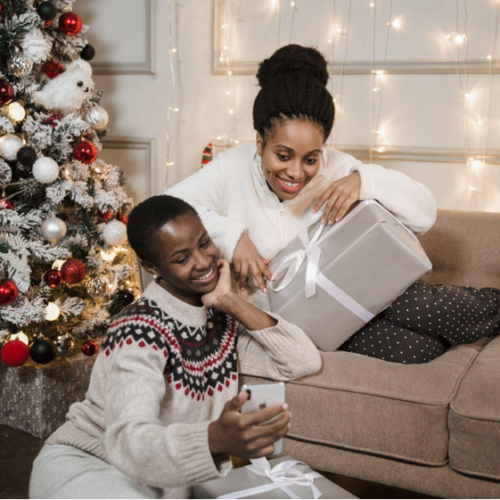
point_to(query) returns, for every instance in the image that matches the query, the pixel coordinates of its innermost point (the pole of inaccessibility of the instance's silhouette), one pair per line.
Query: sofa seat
(387, 409)
(474, 419)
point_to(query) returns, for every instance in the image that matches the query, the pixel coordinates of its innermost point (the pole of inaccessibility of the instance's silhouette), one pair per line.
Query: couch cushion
(360, 403)
(474, 418)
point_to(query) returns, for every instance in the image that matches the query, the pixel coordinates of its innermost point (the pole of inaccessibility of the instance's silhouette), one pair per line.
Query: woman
(255, 199)
(162, 410)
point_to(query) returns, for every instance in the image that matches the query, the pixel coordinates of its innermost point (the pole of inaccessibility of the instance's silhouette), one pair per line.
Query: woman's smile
(207, 277)
(290, 186)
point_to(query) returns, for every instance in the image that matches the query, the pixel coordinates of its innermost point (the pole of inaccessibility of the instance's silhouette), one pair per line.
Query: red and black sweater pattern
(198, 361)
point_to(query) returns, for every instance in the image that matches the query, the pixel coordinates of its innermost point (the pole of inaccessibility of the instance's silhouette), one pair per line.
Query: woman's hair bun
(293, 59)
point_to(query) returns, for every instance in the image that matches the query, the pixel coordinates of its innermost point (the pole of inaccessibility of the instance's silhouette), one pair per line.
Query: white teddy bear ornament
(68, 91)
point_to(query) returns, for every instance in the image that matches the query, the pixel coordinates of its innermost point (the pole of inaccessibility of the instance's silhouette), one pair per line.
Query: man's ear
(260, 144)
(150, 268)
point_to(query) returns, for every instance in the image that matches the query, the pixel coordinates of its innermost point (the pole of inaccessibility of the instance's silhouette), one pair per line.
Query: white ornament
(115, 233)
(9, 146)
(20, 336)
(36, 47)
(68, 91)
(97, 117)
(45, 170)
(53, 229)
(16, 112)
(52, 312)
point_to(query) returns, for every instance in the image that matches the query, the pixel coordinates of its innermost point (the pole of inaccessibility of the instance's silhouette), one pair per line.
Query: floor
(18, 450)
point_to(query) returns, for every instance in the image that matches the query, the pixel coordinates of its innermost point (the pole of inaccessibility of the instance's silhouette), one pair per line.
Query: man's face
(186, 257)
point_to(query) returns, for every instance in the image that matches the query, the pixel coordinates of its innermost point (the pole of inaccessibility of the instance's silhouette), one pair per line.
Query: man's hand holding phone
(251, 435)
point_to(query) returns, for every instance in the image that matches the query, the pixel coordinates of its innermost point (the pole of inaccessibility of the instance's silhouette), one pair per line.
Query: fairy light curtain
(380, 39)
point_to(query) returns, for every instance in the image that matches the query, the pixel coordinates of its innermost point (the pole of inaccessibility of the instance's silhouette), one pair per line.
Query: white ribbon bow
(312, 252)
(281, 475)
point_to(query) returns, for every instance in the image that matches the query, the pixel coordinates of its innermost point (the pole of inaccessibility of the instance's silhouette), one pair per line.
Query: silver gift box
(35, 398)
(368, 259)
(243, 479)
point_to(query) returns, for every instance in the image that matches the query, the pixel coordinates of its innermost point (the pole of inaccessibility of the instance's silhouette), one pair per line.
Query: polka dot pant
(420, 324)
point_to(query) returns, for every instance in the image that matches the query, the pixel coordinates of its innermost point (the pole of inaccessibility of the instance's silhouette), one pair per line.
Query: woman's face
(291, 157)
(187, 258)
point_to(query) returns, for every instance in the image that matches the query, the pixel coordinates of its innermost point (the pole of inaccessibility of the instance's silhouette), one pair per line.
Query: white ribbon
(281, 475)
(312, 252)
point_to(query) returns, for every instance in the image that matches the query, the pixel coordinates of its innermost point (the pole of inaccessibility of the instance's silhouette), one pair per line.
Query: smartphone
(261, 396)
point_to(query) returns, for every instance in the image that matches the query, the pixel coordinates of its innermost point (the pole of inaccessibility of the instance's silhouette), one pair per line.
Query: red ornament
(53, 120)
(14, 353)
(105, 215)
(6, 92)
(53, 278)
(52, 69)
(73, 271)
(85, 151)
(122, 218)
(89, 348)
(8, 292)
(70, 23)
(6, 205)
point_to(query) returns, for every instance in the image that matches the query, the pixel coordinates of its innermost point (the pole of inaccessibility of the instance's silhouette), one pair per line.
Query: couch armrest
(464, 248)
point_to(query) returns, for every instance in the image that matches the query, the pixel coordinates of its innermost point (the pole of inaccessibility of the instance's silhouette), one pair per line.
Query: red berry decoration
(52, 69)
(6, 92)
(70, 23)
(73, 271)
(14, 353)
(53, 120)
(89, 348)
(105, 215)
(53, 278)
(85, 151)
(6, 205)
(8, 292)
(122, 218)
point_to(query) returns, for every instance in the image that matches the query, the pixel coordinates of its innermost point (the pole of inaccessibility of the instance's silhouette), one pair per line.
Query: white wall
(419, 113)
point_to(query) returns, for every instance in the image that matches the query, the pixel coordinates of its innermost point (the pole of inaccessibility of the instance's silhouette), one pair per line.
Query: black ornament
(47, 11)
(43, 351)
(27, 156)
(87, 53)
(125, 297)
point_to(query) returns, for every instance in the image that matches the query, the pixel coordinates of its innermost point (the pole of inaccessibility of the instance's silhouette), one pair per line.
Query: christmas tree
(65, 266)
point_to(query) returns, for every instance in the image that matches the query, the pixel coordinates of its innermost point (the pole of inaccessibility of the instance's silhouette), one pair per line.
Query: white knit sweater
(231, 195)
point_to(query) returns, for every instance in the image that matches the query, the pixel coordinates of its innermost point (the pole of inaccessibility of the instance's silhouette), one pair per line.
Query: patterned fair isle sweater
(164, 371)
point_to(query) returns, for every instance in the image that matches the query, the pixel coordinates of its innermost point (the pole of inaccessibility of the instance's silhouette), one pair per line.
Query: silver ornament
(19, 65)
(9, 146)
(96, 287)
(64, 343)
(53, 229)
(97, 117)
(115, 233)
(45, 170)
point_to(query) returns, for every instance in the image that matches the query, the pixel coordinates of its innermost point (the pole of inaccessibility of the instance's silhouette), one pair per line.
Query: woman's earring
(155, 277)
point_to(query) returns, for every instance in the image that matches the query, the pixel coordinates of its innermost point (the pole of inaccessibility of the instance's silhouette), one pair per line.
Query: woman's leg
(382, 339)
(62, 471)
(459, 315)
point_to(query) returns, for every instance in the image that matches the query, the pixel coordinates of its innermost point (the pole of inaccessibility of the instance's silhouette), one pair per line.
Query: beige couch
(432, 428)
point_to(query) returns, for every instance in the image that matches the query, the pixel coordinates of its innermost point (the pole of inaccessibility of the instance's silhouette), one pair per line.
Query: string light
(395, 24)
(16, 112)
(172, 50)
(20, 336)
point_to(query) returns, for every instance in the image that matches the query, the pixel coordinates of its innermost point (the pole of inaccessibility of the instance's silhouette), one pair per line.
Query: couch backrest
(464, 248)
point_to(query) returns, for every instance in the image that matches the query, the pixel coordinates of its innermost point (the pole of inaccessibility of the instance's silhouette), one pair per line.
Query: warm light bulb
(221, 59)
(229, 73)
(170, 164)
(488, 57)
(231, 111)
(52, 312)
(378, 72)
(174, 50)
(329, 40)
(58, 264)
(16, 112)
(458, 39)
(224, 26)
(375, 89)
(372, 4)
(20, 336)
(108, 256)
(227, 92)
(292, 4)
(380, 150)
(396, 23)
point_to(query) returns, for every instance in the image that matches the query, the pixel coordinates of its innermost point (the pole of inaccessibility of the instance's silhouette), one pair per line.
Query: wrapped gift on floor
(279, 478)
(332, 280)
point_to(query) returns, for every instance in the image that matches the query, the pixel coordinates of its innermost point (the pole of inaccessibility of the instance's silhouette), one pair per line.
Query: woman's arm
(268, 346)
(410, 201)
(135, 440)
(205, 191)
